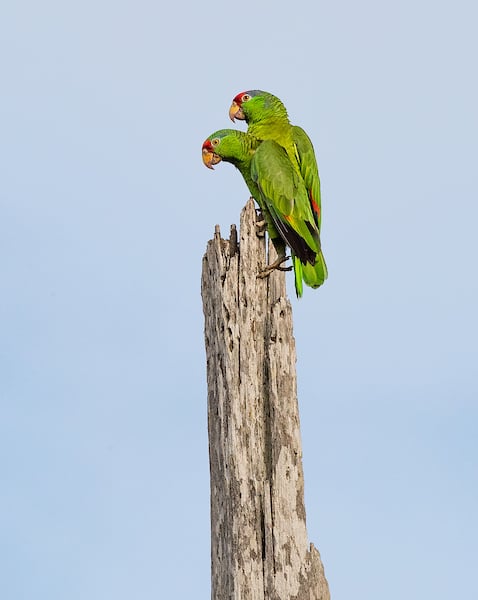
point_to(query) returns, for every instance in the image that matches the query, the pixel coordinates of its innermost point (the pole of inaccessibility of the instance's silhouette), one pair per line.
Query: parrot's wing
(308, 168)
(284, 193)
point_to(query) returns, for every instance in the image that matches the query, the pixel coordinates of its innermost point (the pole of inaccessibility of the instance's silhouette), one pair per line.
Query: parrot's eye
(215, 141)
(245, 98)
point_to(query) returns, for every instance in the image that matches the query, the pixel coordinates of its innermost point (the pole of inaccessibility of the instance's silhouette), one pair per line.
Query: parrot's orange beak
(209, 158)
(236, 112)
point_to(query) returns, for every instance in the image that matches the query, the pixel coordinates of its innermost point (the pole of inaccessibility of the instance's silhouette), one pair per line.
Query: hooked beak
(209, 158)
(236, 112)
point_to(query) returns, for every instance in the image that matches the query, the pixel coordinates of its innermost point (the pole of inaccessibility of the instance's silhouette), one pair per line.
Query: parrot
(267, 119)
(280, 192)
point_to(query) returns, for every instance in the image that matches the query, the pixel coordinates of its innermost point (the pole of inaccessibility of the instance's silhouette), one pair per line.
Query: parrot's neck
(275, 128)
(241, 154)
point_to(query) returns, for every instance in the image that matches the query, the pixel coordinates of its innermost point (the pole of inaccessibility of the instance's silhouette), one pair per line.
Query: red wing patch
(315, 206)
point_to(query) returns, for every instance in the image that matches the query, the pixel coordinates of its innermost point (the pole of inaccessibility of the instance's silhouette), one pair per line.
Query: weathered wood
(259, 544)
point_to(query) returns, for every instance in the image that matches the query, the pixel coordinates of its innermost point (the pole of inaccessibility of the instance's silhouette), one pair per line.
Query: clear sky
(106, 210)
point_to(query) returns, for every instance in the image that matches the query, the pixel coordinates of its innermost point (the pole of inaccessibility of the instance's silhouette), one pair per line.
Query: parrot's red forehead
(207, 145)
(238, 98)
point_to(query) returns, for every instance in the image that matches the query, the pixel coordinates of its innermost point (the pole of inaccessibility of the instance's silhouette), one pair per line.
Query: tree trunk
(259, 545)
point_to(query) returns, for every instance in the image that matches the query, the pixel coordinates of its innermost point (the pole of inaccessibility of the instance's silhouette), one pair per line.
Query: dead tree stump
(259, 544)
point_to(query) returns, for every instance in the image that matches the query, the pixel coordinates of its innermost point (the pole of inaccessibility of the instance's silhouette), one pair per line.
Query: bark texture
(259, 544)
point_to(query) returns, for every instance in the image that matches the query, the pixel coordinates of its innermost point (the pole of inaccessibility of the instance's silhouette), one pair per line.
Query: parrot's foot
(261, 228)
(261, 224)
(275, 266)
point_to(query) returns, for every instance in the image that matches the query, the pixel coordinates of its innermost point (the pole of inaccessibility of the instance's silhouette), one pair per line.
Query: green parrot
(267, 119)
(280, 192)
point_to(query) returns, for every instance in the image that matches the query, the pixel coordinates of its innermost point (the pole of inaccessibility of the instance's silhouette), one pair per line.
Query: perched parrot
(267, 119)
(280, 192)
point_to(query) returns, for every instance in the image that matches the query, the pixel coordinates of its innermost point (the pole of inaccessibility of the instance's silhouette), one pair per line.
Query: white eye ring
(245, 98)
(215, 141)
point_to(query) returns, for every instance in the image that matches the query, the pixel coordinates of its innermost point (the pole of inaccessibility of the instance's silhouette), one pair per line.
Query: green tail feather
(297, 275)
(313, 275)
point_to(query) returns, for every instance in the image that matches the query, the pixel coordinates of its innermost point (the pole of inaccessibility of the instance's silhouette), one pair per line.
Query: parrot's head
(224, 144)
(209, 156)
(254, 105)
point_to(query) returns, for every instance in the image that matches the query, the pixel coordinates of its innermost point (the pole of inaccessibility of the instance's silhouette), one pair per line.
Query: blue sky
(106, 210)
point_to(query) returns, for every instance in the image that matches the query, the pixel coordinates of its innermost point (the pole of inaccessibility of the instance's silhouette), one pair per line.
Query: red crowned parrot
(267, 119)
(280, 192)
(239, 150)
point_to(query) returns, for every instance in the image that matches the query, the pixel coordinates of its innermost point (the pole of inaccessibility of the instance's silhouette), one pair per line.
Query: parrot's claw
(275, 266)
(261, 228)
(261, 224)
